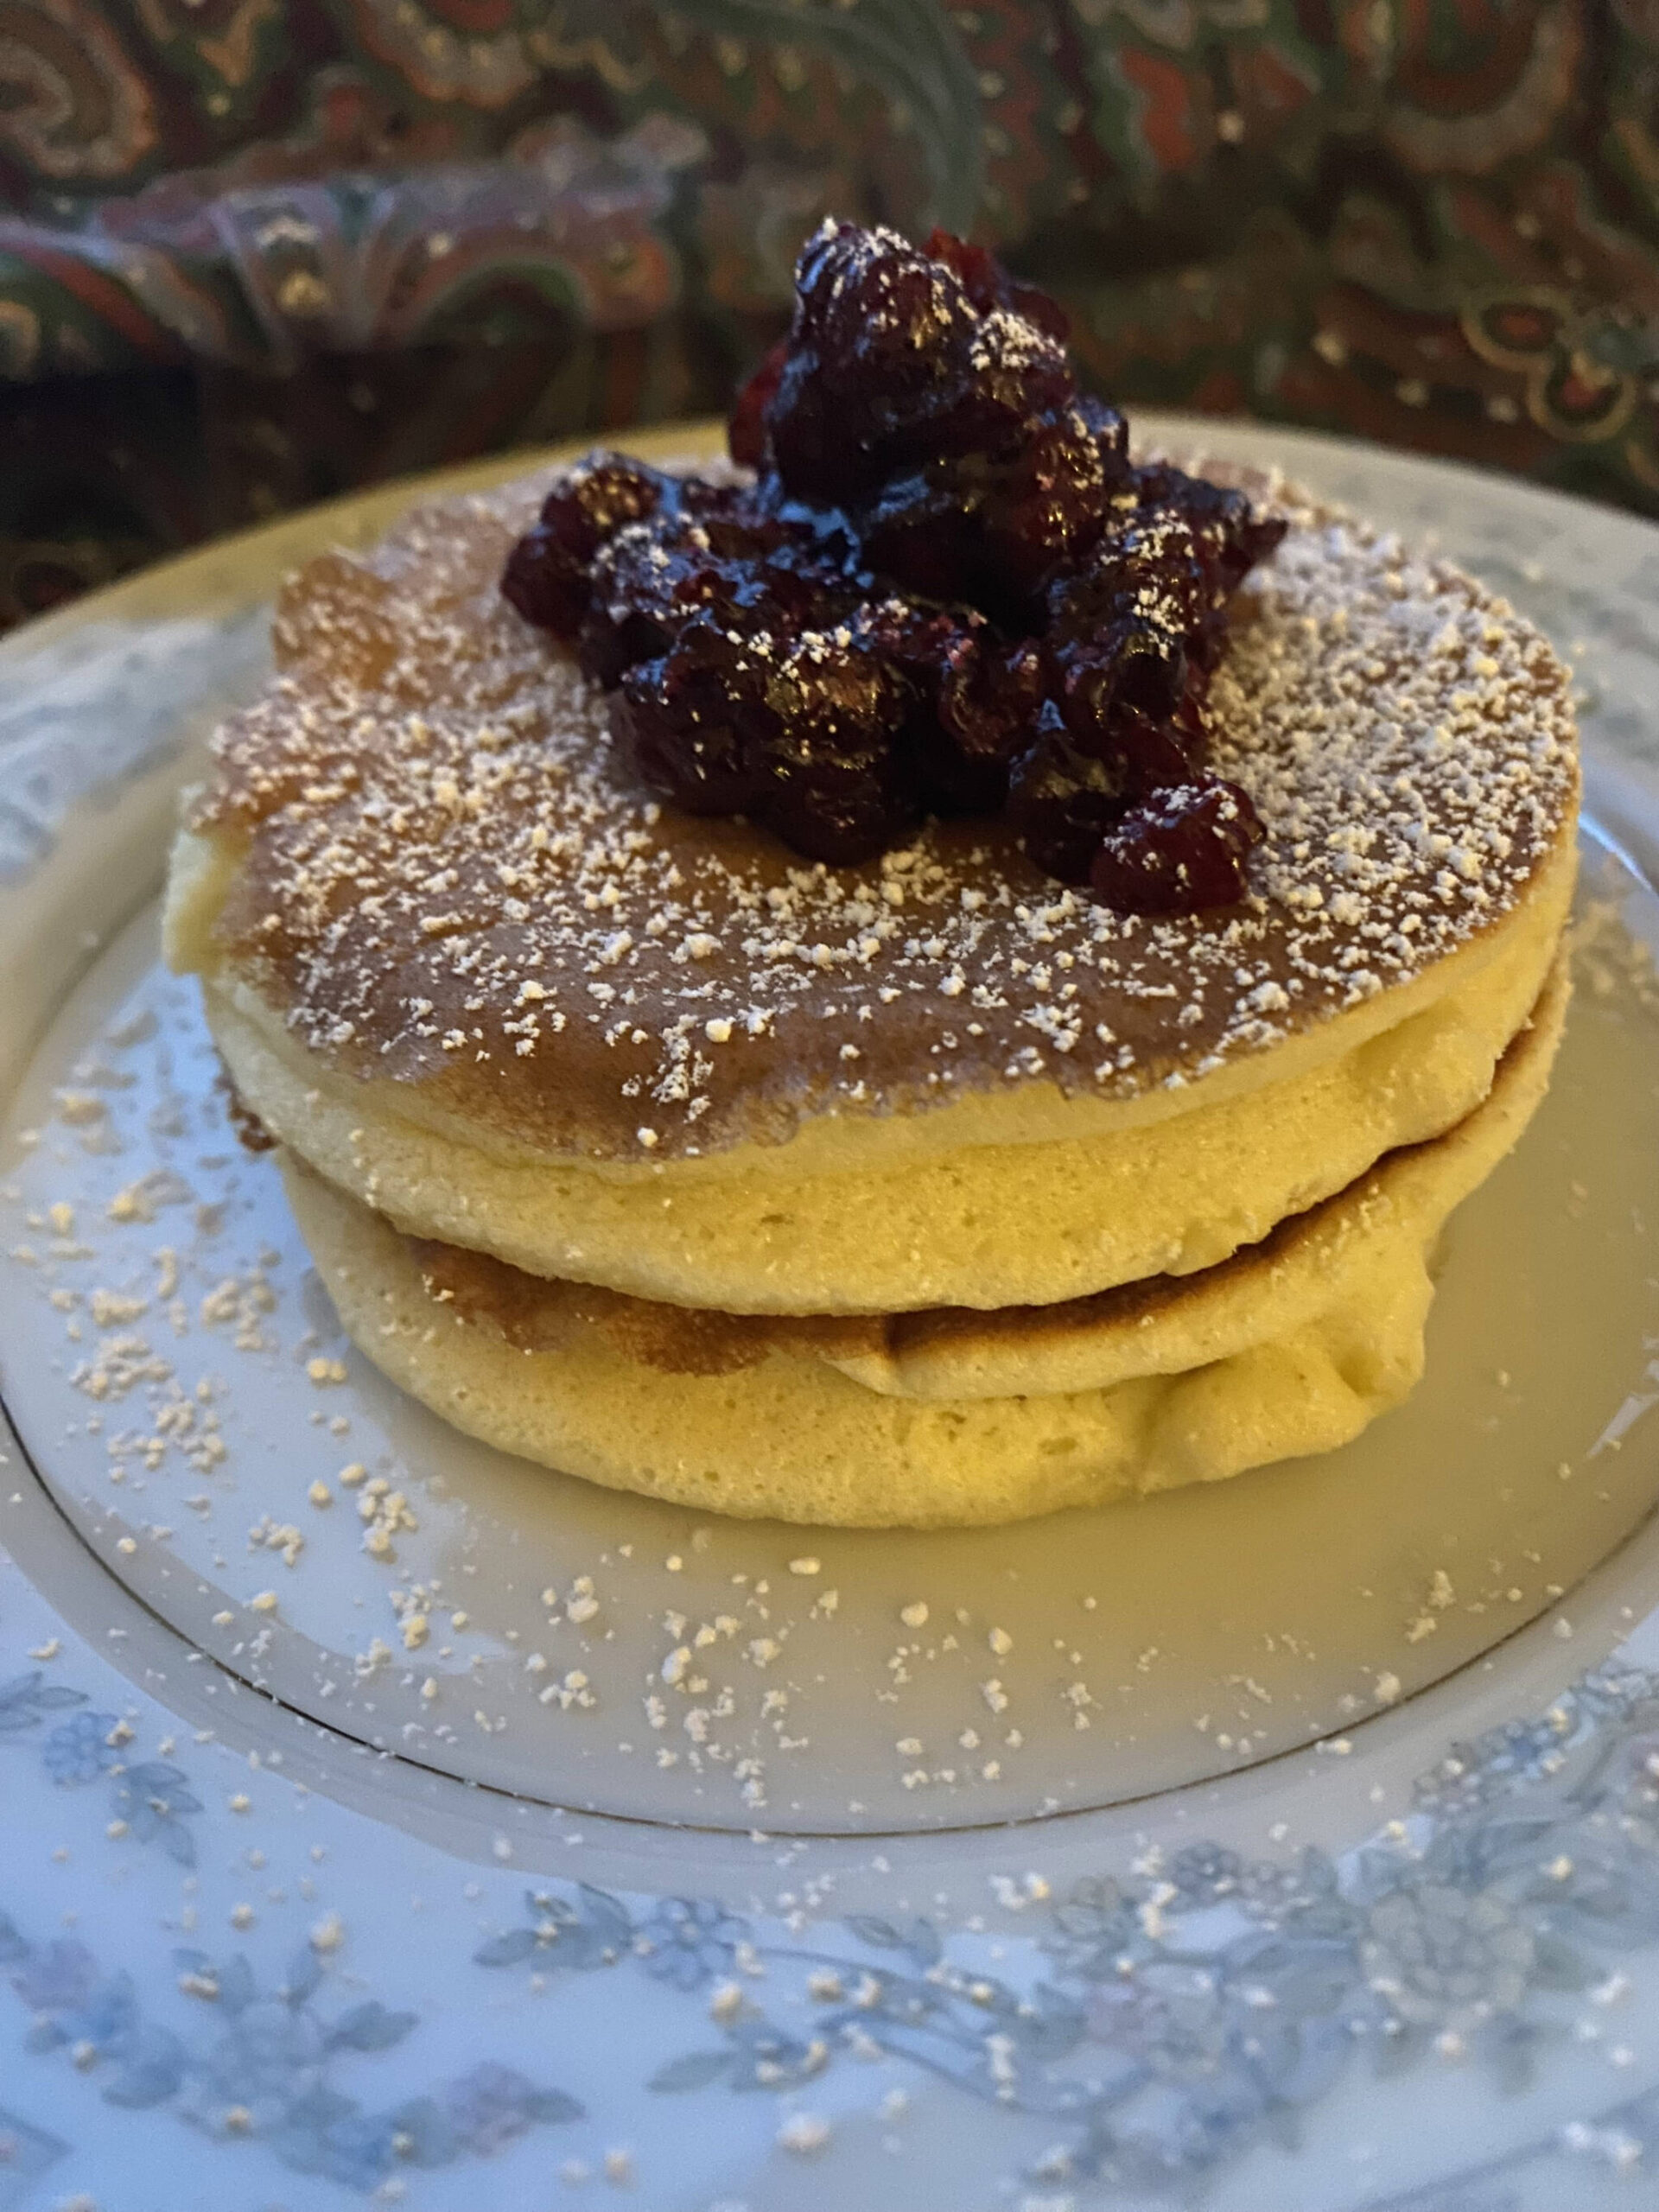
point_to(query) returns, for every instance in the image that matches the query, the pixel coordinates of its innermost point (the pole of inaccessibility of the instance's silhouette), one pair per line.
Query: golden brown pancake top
(447, 882)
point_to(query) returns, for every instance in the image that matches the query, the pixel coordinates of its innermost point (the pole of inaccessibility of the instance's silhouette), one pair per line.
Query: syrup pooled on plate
(947, 590)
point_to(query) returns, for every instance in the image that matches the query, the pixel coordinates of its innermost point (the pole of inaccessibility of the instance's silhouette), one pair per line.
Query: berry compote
(947, 590)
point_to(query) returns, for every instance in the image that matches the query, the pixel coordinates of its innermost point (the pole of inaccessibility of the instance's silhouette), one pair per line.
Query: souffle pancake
(937, 968)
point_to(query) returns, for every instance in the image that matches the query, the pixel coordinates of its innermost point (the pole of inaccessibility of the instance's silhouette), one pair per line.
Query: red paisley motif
(1519, 71)
(1174, 119)
(1027, 177)
(1463, 57)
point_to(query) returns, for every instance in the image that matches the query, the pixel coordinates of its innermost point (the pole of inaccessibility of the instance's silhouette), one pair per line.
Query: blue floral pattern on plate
(1169, 2019)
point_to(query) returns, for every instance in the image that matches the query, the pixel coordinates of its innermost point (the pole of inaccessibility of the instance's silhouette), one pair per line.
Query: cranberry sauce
(948, 590)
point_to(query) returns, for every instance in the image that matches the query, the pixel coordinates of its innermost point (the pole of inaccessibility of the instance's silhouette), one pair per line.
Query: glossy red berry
(947, 590)
(746, 432)
(1179, 851)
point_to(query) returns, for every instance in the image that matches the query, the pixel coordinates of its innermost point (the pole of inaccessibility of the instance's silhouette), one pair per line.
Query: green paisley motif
(256, 254)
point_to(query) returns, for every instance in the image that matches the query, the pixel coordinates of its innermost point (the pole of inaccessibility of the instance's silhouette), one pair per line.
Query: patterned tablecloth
(253, 252)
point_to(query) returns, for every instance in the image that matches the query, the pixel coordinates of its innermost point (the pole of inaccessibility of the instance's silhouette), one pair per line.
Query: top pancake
(426, 863)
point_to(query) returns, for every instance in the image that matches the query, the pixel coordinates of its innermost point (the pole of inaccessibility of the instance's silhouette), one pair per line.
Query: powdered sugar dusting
(447, 882)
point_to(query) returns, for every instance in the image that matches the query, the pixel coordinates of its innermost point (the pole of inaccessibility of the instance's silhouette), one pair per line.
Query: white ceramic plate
(1266, 1847)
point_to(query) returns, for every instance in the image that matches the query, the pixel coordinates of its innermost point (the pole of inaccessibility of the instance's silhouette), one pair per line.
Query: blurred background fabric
(256, 253)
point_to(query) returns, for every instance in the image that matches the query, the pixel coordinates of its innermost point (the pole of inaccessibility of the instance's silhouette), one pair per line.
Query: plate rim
(1626, 787)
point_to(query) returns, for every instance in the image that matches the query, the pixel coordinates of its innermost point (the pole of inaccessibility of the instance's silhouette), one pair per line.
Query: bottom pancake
(1290, 1347)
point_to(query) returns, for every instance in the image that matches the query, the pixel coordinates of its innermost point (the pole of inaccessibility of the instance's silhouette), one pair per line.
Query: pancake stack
(922, 1191)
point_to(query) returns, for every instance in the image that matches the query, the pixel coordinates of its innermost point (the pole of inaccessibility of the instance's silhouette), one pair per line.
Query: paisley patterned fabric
(253, 252)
